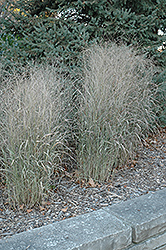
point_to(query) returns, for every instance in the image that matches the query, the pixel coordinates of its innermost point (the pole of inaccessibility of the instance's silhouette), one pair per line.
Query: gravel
(147, 173)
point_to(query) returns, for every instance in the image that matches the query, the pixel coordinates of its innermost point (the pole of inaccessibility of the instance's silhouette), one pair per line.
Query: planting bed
(69, 198)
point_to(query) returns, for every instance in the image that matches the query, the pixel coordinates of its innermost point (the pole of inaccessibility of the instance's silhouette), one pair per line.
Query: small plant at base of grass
(115, 111)
(33, 133)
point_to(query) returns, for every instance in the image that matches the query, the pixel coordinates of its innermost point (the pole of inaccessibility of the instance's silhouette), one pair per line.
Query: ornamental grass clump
(33, 133)
(115, 111)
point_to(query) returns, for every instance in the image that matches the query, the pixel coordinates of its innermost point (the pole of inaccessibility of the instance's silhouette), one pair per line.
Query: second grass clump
(115, 111)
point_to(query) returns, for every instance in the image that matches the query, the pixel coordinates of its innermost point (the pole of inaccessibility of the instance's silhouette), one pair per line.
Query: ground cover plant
(115, 111)
(33, 133)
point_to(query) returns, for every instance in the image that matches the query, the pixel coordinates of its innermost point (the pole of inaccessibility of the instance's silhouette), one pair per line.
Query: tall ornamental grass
(33, 132)
(115, 111)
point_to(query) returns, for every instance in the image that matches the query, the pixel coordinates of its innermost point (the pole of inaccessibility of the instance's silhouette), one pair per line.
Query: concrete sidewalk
(136, 224)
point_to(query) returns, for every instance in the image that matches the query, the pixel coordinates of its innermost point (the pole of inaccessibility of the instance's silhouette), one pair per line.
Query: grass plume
(115, 110)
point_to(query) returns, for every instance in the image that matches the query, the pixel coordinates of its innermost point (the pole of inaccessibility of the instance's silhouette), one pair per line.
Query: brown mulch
(147, 173)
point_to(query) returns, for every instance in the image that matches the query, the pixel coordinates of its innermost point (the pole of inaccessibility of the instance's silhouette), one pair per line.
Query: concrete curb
(137, 224)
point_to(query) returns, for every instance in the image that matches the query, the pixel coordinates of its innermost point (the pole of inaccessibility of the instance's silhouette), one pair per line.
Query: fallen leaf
(91, 182)
(48, 203)
(64, 209)
(1, 209)
(82, 182)
(29, 210)
(41, 208)
(22, 206)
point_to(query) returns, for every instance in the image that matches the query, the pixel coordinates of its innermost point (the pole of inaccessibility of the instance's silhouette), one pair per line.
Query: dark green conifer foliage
(36, 31)
(58, 30)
